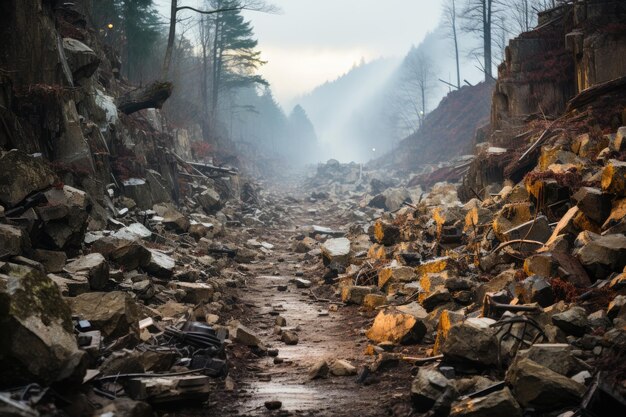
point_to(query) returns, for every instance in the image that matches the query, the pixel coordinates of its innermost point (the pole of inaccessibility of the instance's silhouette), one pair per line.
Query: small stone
(573, 321)
(499, 403)
(273, 405)
(245, 336)
(319, 370)
(354, 294)
(280, 321)
(342, 368)
(289, 337)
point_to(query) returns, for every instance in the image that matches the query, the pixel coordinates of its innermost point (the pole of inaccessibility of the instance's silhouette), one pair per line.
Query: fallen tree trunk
(590, 94)
(151, 96)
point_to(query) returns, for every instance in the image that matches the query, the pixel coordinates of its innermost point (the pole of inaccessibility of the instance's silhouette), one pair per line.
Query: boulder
(195, 292)
(447, 319)
(13, 241)
(161, 265)
(573, 321)
(241, 334)
(593, 203)
(619, 141)
(38, 342)
(342, 367)
(355, 294)
(320, 369)
(395, 273)
(210, 200)
(403, 324)
(139, 190)
(134, 231)
(603, 255)
(53, 261)
(557, 357)
(386, 233)
(373, 301)
(67, 231)
(81, 59)
(535, 289)
(538, 387)
(537, 229)
(472, 342)
(21, 175)
(175, 220)
(426, 388)
(289, 337)
(130, 255)
(614, 178)
(113, 313)
(94, 266)
(499, 403)
(336, 251)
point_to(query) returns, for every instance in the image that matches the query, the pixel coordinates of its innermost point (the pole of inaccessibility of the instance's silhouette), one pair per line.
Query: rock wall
(58, 85)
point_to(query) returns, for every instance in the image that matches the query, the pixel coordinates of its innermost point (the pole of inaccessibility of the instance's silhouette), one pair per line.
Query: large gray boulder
(37, 342)
(428, 385)
(472, 342)
(210, 200)
(113, 313)
(604, 255)
(21, 175)
(538, 387)
(13, 240)
(81, 59)
(94, 267)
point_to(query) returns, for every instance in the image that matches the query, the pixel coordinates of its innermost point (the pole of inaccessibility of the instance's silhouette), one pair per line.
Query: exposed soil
(323, 334)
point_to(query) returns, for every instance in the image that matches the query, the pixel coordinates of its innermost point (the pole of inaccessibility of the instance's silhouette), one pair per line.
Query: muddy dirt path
(326, 329)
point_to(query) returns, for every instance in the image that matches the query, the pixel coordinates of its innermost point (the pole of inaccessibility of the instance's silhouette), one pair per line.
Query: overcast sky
(313, 41)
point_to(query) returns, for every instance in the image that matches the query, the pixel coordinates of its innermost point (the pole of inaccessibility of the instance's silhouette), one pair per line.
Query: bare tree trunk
(170, 40)
(487, 16)
(217, 63)
(456, 45)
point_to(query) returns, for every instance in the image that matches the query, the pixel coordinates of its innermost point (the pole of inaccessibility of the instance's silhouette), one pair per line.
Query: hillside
(448, 131)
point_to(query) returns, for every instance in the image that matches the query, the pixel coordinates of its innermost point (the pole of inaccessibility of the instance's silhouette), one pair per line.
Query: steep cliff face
(537, 76)
(563, 79)
(58, 89)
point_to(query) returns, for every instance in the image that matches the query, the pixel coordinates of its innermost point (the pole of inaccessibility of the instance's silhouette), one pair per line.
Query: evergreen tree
(235, 58)
(302, 146)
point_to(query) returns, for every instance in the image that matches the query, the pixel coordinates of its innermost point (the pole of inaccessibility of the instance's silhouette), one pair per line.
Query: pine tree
(235, 58)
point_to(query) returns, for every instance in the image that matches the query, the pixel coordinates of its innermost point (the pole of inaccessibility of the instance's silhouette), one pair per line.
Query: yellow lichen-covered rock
(510, 216)
(614, 178)
(399, 325)
(377, 251)
(618, 212)
(539, 264)
(432, 266)
(373, 301)
(430, 281)
(447, 319)
(386, 233)
(354, 294)
(586, 146)
(475, 217)
(395, 273)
